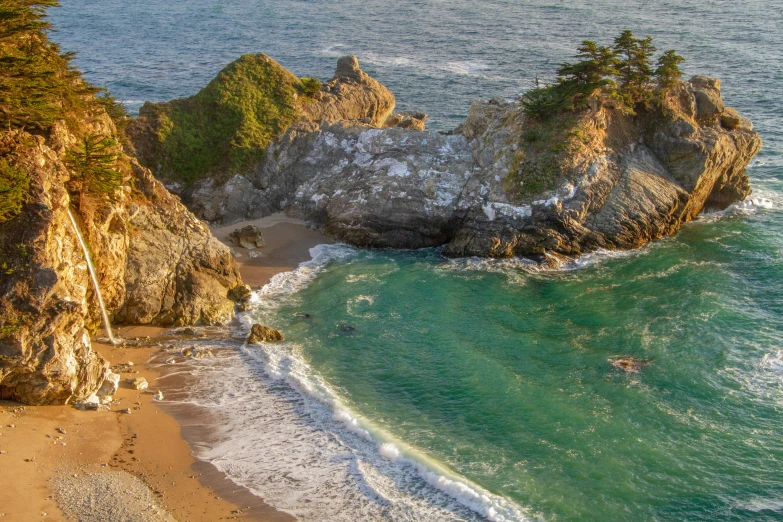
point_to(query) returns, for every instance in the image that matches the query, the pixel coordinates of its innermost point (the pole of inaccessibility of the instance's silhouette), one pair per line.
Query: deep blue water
(495, 373)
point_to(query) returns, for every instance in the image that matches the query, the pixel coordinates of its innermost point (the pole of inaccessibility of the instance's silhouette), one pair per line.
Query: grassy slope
(226, 127)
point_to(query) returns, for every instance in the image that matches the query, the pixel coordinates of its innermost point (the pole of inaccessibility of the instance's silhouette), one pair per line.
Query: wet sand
(150, 442)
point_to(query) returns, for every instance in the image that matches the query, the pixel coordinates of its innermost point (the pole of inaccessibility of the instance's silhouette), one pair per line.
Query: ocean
(415, 387)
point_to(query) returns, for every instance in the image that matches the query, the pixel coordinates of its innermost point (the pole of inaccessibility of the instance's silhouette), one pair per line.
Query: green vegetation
(94, 168)
(14, 184)
(311, 86)
(38, 85)
(668, 71)
(623, 72)
(555, 132)
(116, 110)
(228, 125)
(537, 164)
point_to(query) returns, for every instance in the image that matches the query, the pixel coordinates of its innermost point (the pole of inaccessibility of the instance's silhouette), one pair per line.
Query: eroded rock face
(156, 264)
(351, 96)
(633, 181)
(376, 179)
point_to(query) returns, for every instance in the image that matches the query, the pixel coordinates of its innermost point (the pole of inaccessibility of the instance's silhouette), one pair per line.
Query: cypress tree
(596, 64)
(668, 71)
(93, 167)
(635, 69)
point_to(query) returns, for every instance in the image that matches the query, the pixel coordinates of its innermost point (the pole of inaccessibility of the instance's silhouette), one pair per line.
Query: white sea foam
(289, 437)
(762, 504)
(753, 203)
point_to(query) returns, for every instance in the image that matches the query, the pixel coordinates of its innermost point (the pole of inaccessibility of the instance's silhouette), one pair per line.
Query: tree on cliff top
(38, 85)
(668, 71)
(623, 72)
(635, 70)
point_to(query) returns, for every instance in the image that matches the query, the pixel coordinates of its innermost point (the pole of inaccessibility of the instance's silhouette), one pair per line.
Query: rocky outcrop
(249, 237)
(351, 97)
(45, 351)
(501, 184)
(263, 334)
(156, 264)
(496, 188)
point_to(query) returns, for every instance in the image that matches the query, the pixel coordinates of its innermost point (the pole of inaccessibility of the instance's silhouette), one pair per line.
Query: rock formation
(248, 237)
(156, 264)
(264, 334)
(502, 184)
(491, 190)
(351, 96)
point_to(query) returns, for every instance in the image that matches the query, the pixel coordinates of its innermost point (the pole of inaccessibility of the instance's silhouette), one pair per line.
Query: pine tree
(635, 69)
(668, 71)
(38, 85)
(596, 65)
(93, 167)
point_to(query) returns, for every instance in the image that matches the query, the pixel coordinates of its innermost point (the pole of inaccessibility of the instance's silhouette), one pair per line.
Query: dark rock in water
(264, 334)
(629, 364)
(189, 331)
(347, 328)
(248, 237)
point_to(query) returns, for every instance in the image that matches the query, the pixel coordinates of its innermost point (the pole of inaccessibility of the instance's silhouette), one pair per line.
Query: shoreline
(155, 442)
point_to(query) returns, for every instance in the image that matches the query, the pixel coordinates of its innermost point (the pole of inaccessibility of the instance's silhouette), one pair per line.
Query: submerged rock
(264, 334)
(629, 364)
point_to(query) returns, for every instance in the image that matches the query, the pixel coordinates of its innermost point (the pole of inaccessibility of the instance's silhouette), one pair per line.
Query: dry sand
(288, 243)
(138, 461)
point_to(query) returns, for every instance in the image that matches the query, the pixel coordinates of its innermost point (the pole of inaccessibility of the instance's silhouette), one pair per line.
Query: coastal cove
(391, 262)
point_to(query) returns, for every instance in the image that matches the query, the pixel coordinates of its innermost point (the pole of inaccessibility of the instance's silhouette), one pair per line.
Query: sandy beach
(60, 463)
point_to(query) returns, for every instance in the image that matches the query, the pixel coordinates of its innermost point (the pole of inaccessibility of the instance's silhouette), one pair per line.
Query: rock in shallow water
(629, 364)
(264, 334)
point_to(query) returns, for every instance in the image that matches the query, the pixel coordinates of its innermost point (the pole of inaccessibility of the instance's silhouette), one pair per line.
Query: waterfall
(93, 276)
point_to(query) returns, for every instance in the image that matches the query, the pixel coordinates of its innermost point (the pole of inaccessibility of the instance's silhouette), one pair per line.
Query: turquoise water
(496, 372)
(503, 373)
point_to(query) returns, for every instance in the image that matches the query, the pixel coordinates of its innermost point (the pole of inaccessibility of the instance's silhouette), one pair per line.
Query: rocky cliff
(222, 196)
(61, 170)
(156, 263)
(503, 183)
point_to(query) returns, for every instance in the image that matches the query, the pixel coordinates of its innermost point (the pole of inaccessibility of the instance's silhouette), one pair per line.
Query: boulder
(730, 118)
(139, 383)
(264, 334)
(203, 353)
(248, 237)
(706, 92)
(111, 384)
(407, 120)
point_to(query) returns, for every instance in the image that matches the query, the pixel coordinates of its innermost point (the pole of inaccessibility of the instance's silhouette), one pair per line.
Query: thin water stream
(94, 277)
